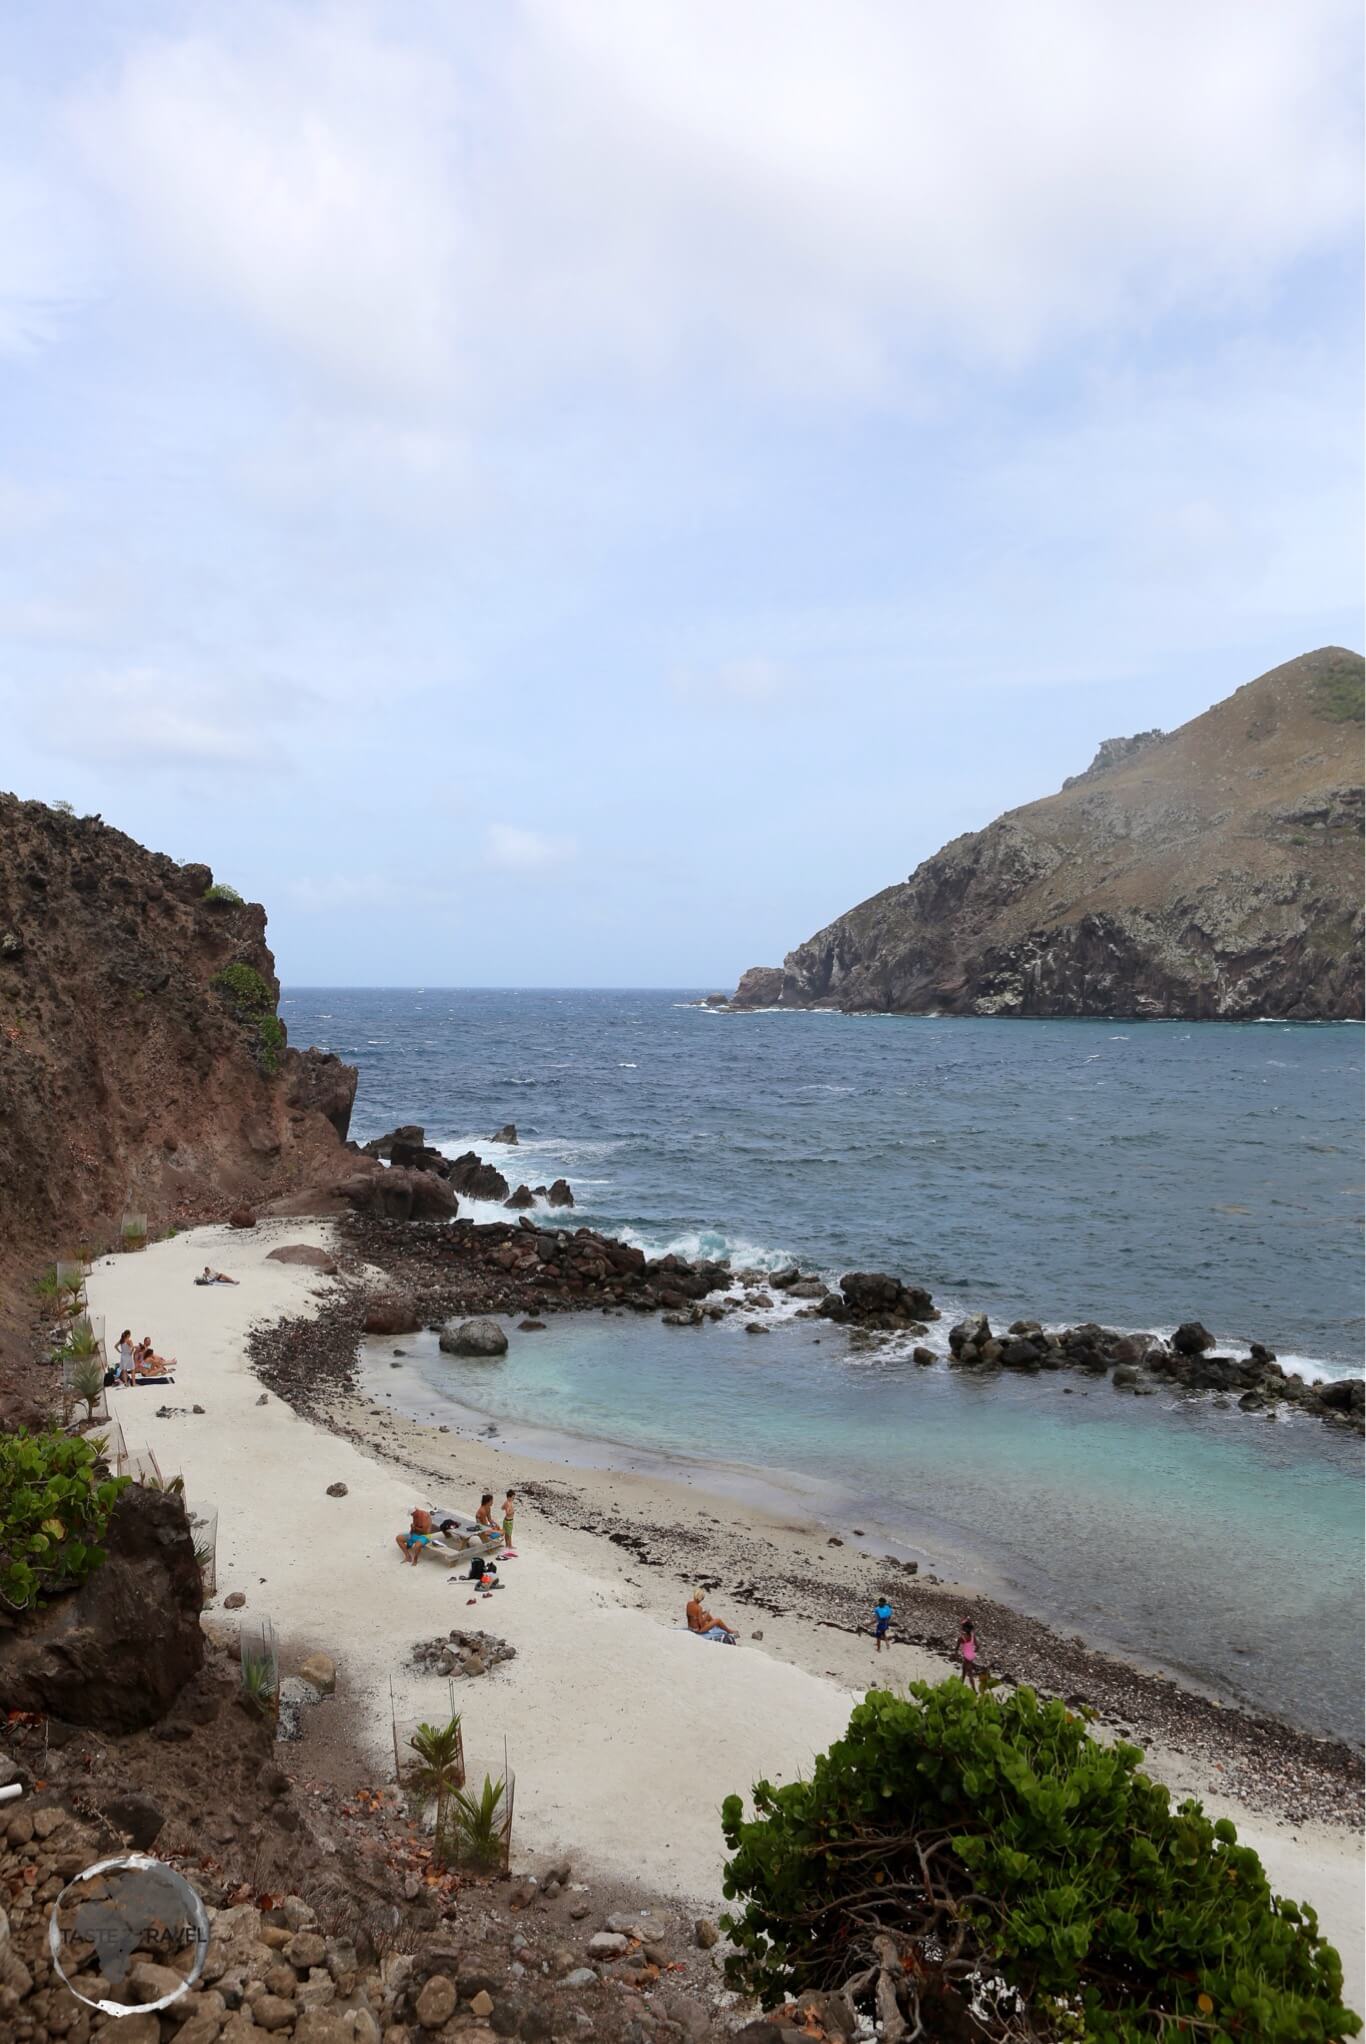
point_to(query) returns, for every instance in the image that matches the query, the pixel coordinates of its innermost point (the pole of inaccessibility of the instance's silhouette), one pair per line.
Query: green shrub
(270, 1042)
(963, 1834)
(243, 988)
(54, 1511)
(222, 894)
(251, 1000)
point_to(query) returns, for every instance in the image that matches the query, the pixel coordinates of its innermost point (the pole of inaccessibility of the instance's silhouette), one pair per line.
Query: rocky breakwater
(1138, 1363)
(406, 1149)
(114, 1654)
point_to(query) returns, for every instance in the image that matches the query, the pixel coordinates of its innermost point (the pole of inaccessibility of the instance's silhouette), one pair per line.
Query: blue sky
(583, 492)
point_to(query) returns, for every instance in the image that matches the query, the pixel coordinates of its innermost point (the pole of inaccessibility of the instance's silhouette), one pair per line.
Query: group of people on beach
(425, 1525)
(706, 1625)
(139, 1363)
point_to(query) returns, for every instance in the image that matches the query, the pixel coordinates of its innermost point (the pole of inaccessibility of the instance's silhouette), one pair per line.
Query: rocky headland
(1213, 873)
(144, 1070)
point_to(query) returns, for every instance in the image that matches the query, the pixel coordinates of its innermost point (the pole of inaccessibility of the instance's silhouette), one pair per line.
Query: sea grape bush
(994, 1835)
(54, 1512)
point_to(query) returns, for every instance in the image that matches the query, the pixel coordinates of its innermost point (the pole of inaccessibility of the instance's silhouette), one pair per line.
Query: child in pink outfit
(967, 1654)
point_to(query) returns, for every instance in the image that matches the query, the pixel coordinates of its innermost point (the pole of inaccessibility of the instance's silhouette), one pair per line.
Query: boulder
(473, 1338)
(391, 1313)
(115, 1653)
(507, 1133)
(475, 1179)
(522, 1197)
(807, 1288)
(400, 1194)
(877, 1300)
(1340, 1394)
(559, 1194)
(305, 1253)
(241, 1217)
(320, 1670)
(1019, 1353)
(782, 1280)
(973, 1328)
(1191, 1339)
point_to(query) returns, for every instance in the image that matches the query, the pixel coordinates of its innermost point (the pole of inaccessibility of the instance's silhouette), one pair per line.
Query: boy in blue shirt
(882, 1620)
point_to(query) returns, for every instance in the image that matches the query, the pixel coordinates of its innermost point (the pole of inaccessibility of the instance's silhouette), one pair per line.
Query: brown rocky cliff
(1211, 873)
(142, 1066)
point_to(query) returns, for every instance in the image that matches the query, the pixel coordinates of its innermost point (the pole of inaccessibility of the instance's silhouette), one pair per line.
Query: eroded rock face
(116, 1653)
(476, 1179)
(399, 1194)
(1211, 873)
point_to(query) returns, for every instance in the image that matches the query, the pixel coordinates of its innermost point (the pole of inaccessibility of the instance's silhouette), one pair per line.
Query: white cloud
(786, 189)
(155, 717)
(510, 849)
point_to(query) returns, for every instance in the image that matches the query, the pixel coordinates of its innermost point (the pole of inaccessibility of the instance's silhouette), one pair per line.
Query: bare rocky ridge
(1213, 873)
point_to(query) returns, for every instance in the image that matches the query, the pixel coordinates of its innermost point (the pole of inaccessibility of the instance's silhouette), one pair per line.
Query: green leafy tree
(437, 1768)
(950, 1838)
(54, 1513)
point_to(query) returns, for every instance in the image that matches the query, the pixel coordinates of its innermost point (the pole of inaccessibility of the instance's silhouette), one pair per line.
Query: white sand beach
(624, 1732)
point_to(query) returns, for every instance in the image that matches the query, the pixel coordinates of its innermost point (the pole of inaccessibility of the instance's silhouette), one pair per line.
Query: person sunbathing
(147, 1364)
(215, 1277)
(701, 1621)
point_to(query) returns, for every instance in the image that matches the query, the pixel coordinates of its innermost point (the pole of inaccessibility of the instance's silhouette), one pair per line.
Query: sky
(581, 492)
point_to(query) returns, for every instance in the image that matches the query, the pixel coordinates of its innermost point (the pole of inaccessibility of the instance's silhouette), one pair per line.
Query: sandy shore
(623, 1731)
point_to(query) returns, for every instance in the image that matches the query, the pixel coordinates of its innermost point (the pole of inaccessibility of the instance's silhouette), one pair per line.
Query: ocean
(1132, 1173)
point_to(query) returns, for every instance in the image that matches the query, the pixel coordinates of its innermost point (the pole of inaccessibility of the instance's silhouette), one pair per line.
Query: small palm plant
(71, 1288)
(49, 1288)
(82, 1340)
(259, 1689)
(438, 1767)
(478, 1823)
(87, 1381)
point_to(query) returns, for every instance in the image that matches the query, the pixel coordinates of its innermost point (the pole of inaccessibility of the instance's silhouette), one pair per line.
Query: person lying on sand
(147, 1363)
(418, 1536)
(215, 1277)
(701, 1621)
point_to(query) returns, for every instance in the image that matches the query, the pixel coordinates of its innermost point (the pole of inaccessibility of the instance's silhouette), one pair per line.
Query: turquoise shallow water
(1214, 1544)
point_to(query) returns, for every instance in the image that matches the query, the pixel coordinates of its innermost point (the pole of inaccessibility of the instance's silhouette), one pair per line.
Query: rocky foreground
(1213, 872)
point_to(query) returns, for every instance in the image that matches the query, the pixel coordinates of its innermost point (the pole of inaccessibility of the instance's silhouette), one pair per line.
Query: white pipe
(7, 1795)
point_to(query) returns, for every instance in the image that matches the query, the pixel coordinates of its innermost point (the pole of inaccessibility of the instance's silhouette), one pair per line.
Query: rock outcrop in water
(1214, 873)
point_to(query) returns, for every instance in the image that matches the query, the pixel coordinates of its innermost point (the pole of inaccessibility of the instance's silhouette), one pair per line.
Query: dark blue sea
(1135, 1174)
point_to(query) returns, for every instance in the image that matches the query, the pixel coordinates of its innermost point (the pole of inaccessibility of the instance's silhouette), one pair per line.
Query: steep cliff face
(1213, 872)
(142, 1065)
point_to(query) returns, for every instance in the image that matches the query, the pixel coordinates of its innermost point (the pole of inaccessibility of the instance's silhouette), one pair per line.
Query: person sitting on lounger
(701, 1621)
(484, 1515)
(215, 1277)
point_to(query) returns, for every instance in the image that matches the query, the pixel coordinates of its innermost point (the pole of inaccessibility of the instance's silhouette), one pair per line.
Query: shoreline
(617, 1723)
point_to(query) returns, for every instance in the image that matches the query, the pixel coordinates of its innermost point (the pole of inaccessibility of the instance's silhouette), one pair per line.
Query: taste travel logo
(124, 1927)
